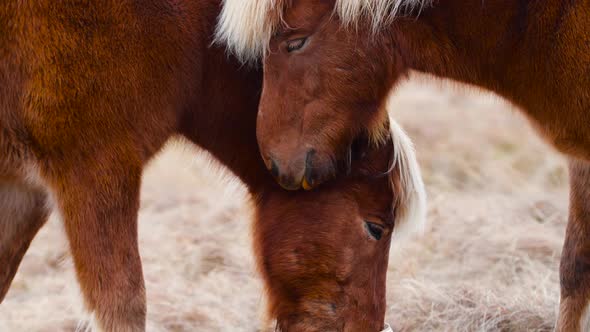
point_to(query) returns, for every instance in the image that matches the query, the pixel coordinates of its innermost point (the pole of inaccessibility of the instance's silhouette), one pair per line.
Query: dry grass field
(488, 260)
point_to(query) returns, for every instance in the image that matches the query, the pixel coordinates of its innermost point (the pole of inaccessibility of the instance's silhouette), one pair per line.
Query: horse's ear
(406, 181)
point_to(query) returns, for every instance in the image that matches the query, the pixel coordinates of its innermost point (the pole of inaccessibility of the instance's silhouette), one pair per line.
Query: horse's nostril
(308, 177)
(306, 170)
(274, 168)
(309, 156)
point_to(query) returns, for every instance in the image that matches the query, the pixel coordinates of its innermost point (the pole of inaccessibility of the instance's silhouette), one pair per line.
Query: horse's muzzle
(306, 171)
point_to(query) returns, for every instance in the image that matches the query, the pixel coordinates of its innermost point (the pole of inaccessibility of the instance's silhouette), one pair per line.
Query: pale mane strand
(246, 26)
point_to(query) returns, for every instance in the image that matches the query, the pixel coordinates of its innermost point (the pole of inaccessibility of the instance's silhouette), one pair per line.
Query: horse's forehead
(306, 11)
(245, 26)
(249, 23)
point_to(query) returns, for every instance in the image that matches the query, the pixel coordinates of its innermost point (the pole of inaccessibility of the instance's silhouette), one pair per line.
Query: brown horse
(91, 90)
(329, 66)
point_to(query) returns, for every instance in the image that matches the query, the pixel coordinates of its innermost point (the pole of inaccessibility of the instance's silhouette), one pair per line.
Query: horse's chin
(309, 327)
(311, 324)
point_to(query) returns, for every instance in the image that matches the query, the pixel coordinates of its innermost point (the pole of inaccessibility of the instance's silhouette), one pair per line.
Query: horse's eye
(375, 230)
(295, 44)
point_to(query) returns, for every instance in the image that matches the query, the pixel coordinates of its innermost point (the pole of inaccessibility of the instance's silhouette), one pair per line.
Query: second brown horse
(329, 66)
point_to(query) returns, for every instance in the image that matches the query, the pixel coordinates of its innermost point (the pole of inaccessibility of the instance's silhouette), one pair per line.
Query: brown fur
(534, 53)
(92, 90)
(322, 271)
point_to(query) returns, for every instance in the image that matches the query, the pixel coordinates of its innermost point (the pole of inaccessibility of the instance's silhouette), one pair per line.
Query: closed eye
(296, 44)
(374, 230)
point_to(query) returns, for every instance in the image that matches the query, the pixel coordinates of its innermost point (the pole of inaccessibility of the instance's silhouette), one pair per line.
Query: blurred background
(488, 260)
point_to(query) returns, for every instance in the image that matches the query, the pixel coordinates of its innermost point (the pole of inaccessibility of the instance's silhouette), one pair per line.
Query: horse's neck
(488, 43)
(224, 122)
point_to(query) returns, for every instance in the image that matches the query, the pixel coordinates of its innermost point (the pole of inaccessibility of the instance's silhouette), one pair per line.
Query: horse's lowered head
(324, 253)
(323, 83)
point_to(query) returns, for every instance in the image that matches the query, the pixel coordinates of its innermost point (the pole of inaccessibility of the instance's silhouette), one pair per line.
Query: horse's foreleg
(575, 260)
(99, 205)
(23, 210)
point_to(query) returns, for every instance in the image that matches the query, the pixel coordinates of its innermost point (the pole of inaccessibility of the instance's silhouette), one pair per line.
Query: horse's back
(547, 71)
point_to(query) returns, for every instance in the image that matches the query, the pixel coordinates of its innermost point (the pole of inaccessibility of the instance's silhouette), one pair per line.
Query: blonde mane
(246, 26)
(411, 202)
